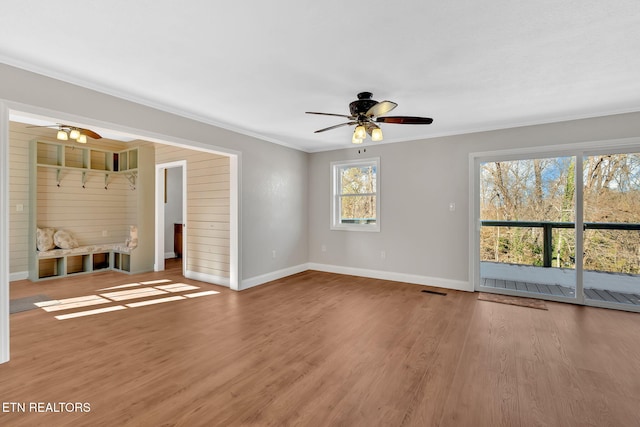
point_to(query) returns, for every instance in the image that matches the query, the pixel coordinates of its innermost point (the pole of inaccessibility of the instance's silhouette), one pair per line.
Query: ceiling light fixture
(360, 132)
(376, 134)
(74, 133)
(66, 133)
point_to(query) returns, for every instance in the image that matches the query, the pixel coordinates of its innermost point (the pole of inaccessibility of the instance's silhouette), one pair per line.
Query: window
(355, 195)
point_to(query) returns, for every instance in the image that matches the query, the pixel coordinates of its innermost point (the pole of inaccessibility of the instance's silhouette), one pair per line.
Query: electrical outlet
(383, 254)
(19, 207)
(452, 206)
(323, 248)
(273, 253)
(105, 233)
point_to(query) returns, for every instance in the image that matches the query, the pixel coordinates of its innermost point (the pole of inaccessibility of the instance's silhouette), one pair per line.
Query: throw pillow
(44, 239)
(64, 240)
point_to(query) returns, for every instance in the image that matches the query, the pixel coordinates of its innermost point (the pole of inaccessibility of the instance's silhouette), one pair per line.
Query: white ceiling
(257, 66)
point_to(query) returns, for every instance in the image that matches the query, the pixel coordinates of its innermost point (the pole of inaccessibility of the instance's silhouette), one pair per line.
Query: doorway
(171, 213)
(561, 225)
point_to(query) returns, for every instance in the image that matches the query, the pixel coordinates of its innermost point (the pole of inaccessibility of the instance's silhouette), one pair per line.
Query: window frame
(336, 194)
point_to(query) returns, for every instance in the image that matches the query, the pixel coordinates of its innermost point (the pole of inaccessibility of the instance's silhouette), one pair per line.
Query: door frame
(579, 151)
(160, 221)
(7, 106)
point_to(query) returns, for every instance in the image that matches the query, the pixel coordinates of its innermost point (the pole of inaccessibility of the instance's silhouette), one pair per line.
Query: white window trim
(335, 190)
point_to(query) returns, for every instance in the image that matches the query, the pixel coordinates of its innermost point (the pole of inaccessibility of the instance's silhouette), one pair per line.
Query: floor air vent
(434, 292)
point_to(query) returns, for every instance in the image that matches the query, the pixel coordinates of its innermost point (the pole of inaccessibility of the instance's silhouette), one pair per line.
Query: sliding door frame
(577, 150)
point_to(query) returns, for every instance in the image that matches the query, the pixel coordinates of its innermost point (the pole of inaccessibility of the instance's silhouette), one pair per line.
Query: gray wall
(269, 172)
(418, 181)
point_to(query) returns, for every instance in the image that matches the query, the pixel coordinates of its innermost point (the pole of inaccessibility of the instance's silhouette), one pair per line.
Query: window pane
(358, 209)
(358, 180)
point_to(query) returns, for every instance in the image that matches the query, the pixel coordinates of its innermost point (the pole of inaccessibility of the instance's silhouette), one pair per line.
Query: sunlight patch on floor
(177, 287)
(153, 282)
(128, 285)
(62, 305)
(90, 312)
(201, 294)
(155, 301)
(131, 291)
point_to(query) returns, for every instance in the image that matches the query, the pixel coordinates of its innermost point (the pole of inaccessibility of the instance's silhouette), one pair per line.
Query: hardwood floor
(320, 349)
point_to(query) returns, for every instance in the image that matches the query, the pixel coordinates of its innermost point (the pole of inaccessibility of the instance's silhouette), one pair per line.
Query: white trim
(336, 194)
(168, 255)
(140, 100)
(208, 278)
(4, 233)
(274, 275)
(439, 282)
(20, 275)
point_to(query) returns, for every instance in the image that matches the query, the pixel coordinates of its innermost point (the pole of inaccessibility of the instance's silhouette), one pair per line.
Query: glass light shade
(74, 134)
(376, 134)
(62, 135)
(360, 132)
(82, 139)
(356, 141)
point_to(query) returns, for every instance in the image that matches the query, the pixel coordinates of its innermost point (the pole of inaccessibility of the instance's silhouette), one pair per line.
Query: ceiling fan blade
(382, 107)
(330, 114)
(405, 120)
(336, 126)
(87, 132)
(90, 133)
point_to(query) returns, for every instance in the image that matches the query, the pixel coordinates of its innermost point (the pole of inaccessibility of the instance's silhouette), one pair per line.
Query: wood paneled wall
(86, 212)
(208, 196)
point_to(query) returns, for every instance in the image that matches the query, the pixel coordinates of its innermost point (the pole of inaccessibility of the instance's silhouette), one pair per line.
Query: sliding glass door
(611, 188)
(564, 228)
(527, 227)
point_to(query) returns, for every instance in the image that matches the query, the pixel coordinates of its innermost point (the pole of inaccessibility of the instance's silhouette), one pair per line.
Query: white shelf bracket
(132, 179)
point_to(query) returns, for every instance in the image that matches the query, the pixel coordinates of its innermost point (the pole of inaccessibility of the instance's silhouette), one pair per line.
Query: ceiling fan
(366, 113)
(66, 132)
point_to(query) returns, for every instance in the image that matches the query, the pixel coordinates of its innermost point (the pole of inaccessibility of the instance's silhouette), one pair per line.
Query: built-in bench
(58, 262)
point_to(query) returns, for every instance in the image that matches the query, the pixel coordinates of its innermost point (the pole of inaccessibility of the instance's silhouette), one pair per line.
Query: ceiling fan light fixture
(82, 138)
(62, 135)
(356, 140)
(74, 133)
(376, 134)
(360, 132)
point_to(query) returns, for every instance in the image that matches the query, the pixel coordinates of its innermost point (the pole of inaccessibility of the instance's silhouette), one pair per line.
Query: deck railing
(547, 230)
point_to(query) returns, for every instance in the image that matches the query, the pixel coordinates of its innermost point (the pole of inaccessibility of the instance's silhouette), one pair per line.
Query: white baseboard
(438, 282)
(168, 255)
(209, 278)
(20, 275)
(274, 275)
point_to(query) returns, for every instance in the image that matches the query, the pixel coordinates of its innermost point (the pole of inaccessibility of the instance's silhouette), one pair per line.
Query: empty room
(320, 214)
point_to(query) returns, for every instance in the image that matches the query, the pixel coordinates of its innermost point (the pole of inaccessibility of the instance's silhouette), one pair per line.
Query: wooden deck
(564, 291)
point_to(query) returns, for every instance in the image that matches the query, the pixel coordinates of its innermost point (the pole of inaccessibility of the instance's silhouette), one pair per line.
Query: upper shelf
(89, 159)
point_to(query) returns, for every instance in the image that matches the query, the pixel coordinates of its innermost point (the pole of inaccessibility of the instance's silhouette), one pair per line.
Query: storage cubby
(78, 264)
(49, 154)
(50, 267)
(122, 261)
(76, 157)
(100, 261)
(123, 161)
(99, 160)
